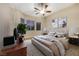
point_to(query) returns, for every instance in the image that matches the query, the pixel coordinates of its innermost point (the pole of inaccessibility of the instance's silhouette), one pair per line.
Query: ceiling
(28, 8)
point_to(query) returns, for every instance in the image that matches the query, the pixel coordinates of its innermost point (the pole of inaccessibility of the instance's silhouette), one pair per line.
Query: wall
(6, 22)
(72, 14)
(9, 19)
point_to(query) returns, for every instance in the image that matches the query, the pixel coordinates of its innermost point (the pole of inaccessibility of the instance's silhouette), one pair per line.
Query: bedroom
(42, 19)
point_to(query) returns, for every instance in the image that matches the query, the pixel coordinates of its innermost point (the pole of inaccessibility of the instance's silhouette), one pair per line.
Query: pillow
(58, 35)
(51, 33)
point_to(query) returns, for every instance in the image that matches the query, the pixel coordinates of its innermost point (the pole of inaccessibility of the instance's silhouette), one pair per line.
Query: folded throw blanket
(60, 47)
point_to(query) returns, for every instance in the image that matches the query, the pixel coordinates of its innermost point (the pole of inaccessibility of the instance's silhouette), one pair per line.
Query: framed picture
(59, 22)
(38, 25)
(62, 22)
(55, 23)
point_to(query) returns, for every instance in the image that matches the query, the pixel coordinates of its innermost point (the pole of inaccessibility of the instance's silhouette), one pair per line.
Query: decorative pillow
(58, 35)
(51, 33)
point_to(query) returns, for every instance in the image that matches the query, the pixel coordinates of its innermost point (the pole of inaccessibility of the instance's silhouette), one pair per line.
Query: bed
(50, 45)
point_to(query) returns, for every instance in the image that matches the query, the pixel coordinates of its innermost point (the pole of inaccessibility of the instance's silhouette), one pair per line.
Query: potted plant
(22, 28)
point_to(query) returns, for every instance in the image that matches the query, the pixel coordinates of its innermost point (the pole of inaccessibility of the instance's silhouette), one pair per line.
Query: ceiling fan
(42, 9)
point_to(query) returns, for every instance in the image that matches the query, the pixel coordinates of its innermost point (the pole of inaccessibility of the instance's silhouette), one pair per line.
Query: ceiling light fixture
(42, 11)
(41, 8)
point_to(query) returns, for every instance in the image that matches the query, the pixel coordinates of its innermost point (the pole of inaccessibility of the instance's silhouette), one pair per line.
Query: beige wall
(9, 19)
(72, 14)
(6, 22)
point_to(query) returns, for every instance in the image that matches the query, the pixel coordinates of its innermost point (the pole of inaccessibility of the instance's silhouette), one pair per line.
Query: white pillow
(51, 33)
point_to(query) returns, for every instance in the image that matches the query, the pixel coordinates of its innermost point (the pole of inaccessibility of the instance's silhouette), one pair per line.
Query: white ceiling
(28, 8)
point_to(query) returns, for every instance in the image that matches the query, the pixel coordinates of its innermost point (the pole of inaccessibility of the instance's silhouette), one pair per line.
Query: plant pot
(20, 40)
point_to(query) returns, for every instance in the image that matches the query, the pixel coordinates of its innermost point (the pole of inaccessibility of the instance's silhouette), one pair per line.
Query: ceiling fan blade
(43, 14)
(36, 13)
(36, 9)
(48, 11)
(46, 6)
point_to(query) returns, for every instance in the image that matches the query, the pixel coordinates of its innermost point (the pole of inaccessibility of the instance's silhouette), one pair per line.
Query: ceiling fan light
(42, 12)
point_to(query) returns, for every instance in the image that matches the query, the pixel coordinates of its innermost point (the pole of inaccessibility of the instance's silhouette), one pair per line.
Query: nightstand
(73, 40)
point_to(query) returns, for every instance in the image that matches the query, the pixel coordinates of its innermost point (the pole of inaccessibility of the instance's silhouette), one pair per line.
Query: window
(38, 25)
(30, 24)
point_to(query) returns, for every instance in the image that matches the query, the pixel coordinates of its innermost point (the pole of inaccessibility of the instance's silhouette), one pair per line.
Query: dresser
(17, 50)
